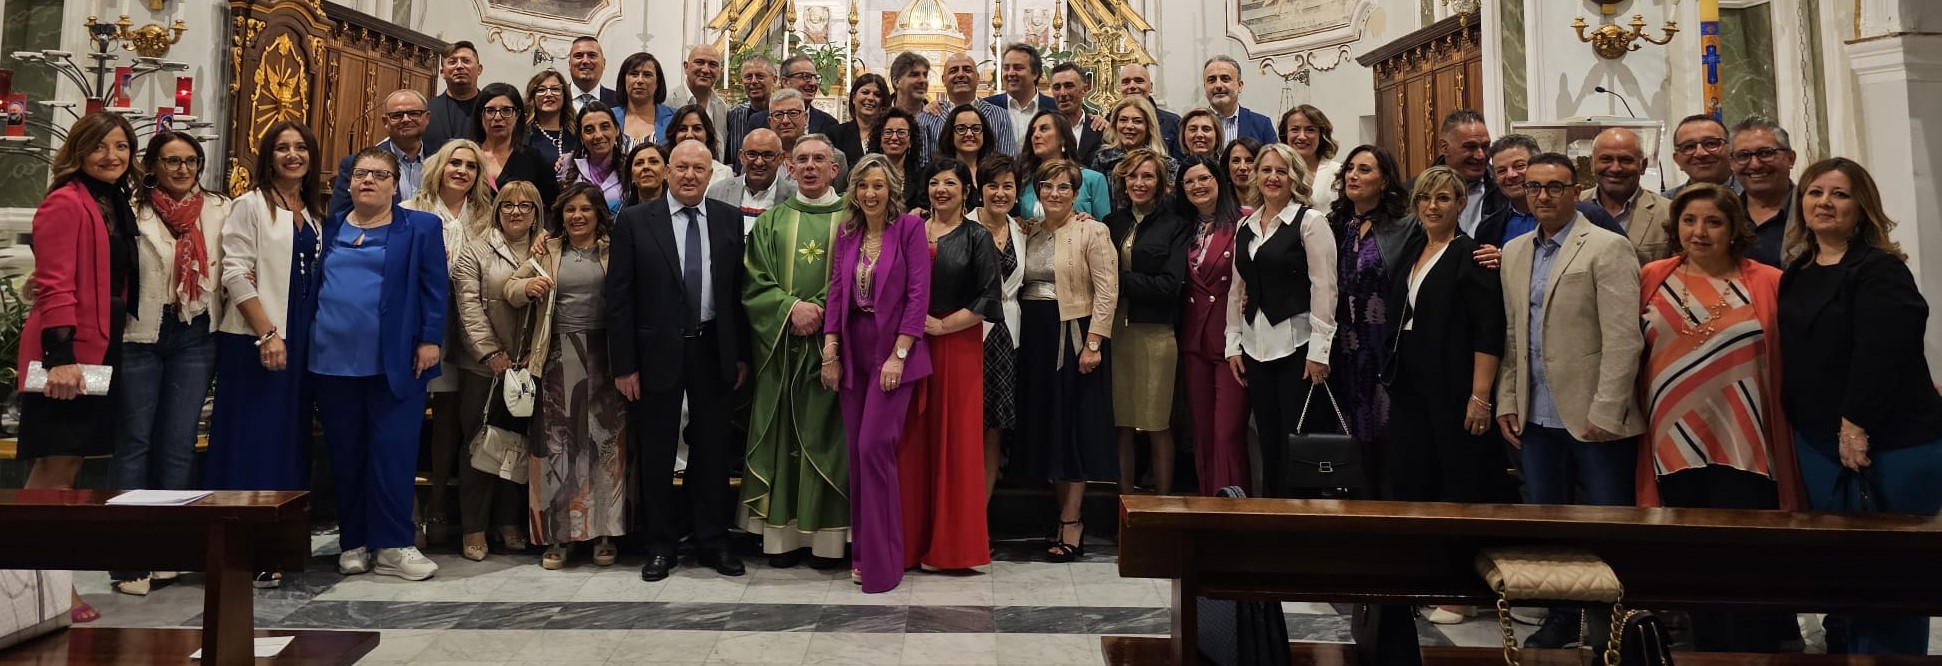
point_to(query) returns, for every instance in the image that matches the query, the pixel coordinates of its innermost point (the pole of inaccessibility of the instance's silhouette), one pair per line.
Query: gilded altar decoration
(282, 87)
(1612, 41)
(149, 41)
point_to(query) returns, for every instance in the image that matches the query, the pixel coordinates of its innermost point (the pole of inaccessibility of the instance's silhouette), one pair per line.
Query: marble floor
(507, 610)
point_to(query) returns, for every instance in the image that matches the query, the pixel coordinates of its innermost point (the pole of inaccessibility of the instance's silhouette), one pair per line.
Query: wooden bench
(230, 535)
(1154, 650)
(1424, 553)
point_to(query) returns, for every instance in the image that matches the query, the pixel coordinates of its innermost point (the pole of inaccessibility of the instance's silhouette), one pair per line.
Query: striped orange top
(1706, 377)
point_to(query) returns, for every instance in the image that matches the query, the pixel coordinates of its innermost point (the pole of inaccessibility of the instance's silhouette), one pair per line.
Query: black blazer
(1460, 307)
(964, 275)
(647, 302)
(1854, 350)
(526, 164)
(1150, 284)
(1090, 140)
(848, 138)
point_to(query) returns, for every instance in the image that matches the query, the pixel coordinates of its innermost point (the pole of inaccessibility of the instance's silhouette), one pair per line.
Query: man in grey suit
(1566, 391)
(758, 188)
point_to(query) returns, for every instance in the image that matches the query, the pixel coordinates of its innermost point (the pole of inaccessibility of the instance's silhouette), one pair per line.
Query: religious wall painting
(815, 25)
(1273, 27)
(1038, 27)
(521, 25)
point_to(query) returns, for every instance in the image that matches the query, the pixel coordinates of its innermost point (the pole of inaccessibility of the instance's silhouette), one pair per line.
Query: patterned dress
(1362, 318)
(579, 490)
(1706, 383)
(1000, 358)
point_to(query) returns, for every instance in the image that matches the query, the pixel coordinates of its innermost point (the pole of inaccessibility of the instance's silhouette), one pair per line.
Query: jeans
(164, 384)
(1908, 486)
(1556, 464)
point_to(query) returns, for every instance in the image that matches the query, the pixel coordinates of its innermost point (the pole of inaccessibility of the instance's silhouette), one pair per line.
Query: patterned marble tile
(1040, 619)
(773, 617)
(476, 646)
(857, 619)
(847, 649)
(377, 615)
(742, 647)
(1050, 649)
(687, 616)
(604, 615)
(950, 620)
(671, 647)
(511, 616)
(572, 645)
(1034, 594)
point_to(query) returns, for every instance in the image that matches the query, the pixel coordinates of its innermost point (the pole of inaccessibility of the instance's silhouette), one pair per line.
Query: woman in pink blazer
(873, 353)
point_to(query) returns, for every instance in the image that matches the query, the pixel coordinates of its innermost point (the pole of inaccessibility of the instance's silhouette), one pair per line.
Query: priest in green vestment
(796, 490)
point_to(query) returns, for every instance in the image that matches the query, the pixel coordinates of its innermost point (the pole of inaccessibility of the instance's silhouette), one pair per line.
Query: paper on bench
(265, 647)
(157, 497)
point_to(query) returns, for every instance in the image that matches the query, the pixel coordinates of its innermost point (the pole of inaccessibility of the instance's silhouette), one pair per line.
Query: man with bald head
(1618, 159)
(758, 188)
(960, 88)
(405, 117)
(1136, 81)
(677, 329)
(701, 71)
(793, 493)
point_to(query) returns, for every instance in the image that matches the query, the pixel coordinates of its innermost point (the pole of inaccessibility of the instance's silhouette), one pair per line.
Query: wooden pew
(1424, 553)
(230, 535)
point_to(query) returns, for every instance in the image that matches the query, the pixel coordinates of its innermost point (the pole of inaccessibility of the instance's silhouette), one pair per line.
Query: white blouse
(1264, 341)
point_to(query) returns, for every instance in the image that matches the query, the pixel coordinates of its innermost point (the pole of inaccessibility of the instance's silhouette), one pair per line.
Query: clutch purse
(94, 378)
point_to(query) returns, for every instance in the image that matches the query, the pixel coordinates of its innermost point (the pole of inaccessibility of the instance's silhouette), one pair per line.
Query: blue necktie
(691, 266)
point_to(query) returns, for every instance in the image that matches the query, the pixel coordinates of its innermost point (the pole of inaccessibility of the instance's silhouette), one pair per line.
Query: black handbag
(1643, 641)
(1859, 491)
(1322, 465)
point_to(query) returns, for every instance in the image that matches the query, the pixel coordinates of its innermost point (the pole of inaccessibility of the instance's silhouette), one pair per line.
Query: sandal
(134, 587)
(555, 556)
(512, 538)
(1062, 552)
(856, 575)
(473, 546)
(604, 552)
(267, 580)
(79, 612)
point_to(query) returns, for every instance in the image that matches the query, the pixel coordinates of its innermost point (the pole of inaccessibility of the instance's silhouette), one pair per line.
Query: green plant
(829, 59)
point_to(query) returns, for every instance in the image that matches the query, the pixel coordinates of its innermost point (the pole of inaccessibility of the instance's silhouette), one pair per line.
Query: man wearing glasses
(799, 74)
(757, 189)
(1699, 149)
(1763, 163)
(405, 118)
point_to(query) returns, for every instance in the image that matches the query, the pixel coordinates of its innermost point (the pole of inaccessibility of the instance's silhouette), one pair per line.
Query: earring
(149, 181)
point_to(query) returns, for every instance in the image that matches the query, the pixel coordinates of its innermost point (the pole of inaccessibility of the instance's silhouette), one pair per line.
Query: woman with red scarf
(169, 344)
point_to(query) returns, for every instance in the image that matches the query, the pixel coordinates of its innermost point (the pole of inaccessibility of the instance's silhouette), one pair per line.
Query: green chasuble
(796, 490)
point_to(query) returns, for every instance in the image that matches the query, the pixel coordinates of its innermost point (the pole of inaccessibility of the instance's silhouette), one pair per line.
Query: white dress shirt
(681, 251)
(1021, 114)
(1264, 341)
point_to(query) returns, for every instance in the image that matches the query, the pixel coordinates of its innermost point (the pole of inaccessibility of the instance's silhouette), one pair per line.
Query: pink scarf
(191, 256)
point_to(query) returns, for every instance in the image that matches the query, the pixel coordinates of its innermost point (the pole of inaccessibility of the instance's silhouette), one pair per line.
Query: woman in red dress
(941, 460)
(1216, 402)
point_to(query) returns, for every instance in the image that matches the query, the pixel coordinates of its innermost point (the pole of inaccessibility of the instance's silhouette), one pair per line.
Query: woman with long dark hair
(599, 161)
(550, 119)
(85, 268)
(499, 127)
(966, 138)
(1372, 226)
(260, 429)
(869, 100)
(1215, 397)
(895, 137)
(169, 352)
(647, 173)
(1238, 158)
(691, 122)
(1048, 138)
(643, 114)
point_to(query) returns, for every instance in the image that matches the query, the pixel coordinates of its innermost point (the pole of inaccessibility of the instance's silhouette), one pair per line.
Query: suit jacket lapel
(1567, 251)
(660, 227)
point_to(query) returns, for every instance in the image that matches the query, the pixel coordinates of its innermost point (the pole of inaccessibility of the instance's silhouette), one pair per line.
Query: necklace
(1704, 328)
(555, 136)
(366, 226)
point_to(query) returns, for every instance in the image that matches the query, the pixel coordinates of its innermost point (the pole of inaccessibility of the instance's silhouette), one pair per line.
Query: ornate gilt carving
(282, 87)
(239, 178)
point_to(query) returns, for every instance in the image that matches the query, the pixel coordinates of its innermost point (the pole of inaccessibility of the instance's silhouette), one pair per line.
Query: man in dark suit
(799, 72)
(1220, 78)
(1134, 80)
(1069, 90)
(677, 329)
(404, 128)
(1019, 71)
(585, 64)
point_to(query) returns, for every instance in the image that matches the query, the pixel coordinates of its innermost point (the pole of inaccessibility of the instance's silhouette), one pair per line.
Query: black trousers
(1275, 391)
(1722, 487)
(655, 420)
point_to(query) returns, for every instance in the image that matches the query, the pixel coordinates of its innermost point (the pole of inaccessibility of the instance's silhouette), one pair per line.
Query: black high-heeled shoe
(1062, 552)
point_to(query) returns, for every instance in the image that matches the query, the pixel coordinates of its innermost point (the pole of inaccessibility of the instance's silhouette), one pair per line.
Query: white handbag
(517, 388)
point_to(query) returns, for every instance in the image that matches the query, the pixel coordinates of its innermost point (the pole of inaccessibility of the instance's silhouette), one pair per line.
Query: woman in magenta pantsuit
(1217, 402)
(873, 352)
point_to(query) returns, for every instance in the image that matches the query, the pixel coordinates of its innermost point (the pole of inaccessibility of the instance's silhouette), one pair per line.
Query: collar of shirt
(1552, 243)
(1014, 106)
(404, 158)
(675, 206)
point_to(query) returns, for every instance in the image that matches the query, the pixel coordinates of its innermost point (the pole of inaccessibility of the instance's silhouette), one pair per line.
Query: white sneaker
(354, 561)
(406, 563)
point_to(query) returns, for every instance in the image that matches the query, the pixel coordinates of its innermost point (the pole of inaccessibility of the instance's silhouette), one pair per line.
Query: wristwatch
(903, 353)
(1092, 345)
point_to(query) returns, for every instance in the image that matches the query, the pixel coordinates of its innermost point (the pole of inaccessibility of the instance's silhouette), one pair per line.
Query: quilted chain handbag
(1538, 573)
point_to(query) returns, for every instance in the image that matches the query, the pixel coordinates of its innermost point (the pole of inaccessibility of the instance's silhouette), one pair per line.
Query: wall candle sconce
(1611, 42)
(150, 41)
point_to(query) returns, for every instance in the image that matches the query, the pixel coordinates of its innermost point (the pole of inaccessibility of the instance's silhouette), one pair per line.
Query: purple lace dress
(1362, 319)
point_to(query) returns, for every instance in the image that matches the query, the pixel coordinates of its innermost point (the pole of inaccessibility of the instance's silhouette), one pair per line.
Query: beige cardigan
(516, 295)
(1085, 272)
(156, 261)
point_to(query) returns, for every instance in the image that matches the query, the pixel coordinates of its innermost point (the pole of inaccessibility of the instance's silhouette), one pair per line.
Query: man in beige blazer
(1565, 389)
(1618, 159)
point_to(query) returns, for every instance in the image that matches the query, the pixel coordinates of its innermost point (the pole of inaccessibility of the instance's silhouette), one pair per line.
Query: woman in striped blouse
(1711, 387)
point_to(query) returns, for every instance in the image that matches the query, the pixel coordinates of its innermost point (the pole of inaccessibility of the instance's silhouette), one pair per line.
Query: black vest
(1277, 274)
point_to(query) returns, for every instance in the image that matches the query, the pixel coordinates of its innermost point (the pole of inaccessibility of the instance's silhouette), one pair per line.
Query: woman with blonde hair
(1855, 383)
(452, 189)
(874, 353)
(1134, 125)
(1151, 240)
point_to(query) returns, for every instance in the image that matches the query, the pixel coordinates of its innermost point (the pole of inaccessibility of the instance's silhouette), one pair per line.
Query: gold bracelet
(1480, 401)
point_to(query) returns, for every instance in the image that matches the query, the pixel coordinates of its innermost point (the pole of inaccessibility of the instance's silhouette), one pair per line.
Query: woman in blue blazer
(383, 270)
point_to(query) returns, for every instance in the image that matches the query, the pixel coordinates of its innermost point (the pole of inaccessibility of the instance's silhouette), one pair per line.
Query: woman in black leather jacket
(1152, 241)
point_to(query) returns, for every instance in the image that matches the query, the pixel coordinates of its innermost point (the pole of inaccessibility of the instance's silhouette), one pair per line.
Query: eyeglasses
(1059, 187)
(760, 155)
(380, 175)
(180, 163)
(791, 114)
(413, 114)
(1763, 154)
(812, 158)
(549, 90)
(1708, 145)
(896, 134)
(1552, 189)
(518, 207)
(968, 129)
(803, 76)
(499, 111)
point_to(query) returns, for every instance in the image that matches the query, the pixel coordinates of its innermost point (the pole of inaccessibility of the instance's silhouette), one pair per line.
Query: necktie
(691, 266)
(583, 100)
